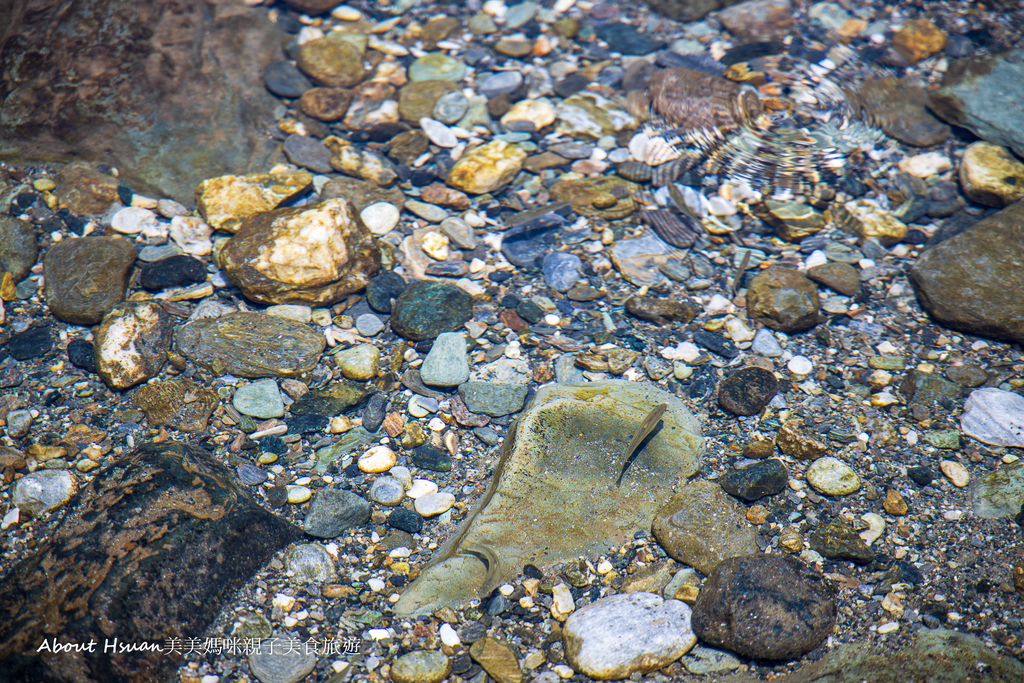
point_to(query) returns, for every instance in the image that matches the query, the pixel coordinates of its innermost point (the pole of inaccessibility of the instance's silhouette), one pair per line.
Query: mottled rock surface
(86, 278)
(765, 606)
(783, 299)
(187, 538)
(203, 112)
(972, 282)
(314, 254)
(132, 343)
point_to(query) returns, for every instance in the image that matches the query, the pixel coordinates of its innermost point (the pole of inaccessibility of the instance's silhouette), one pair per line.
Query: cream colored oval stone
(360, 363)
(562, 604)
(486, 168)
(420, 488)
(377, 459)
(434, 504)
(832, 477)
(956, 473)
(298, 494)
(436, 245)
(925, 165)
(539, 112)
(876, 527)
(380, 217)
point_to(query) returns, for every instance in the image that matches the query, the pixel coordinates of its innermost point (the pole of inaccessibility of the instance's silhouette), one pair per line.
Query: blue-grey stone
(766, 344)
(368, 324)
(500, 83)
(387, 491)
(310, 563)
(447, 364)
(517, 15)
(493, 398)
(561, 270)
(333, 511)
(487, 435)
(566, 371)
(451, 108)
(261, 400)
(285, 80)
(308, 152)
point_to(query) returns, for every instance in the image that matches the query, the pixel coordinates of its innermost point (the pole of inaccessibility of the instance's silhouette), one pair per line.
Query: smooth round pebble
(421, 666)
(380, 218)
(422, 487)
(800, 365)
(276, 662)
(387, 491)
(832, 477)
(377, 459)
(261, 399)
(310, 563)
(440, 134)
(434, 504)
(298, 494)
(369, 325)
(956, 473)
(43, 490)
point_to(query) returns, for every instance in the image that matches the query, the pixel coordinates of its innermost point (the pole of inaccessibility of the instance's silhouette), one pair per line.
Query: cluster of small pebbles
(460, 212)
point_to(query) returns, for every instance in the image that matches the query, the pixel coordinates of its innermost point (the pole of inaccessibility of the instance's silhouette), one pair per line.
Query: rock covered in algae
(554, 494)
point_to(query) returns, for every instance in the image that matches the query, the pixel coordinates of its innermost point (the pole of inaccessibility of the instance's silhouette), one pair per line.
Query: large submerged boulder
(169, 91)
(566, 484)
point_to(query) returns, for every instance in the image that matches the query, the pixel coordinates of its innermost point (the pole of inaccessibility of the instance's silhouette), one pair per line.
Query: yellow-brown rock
(991, 175)
(226, 201)
(486, 168)
(83, 189)
(314, 255)
(918, 39)
(866, 220)
(359, 163)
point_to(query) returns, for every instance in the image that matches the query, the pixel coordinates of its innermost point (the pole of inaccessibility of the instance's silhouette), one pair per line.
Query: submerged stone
(187, 537)
(554, 494)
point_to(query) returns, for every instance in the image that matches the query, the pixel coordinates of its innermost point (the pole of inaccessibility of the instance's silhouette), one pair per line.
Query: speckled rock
(493, 398)
(991, 175)
(333, 511)
(867, 221)
(86, 278)
(486, 168)
(427, 308)
(226, 201)
(314, 254)
(421, 666)
(251, 345)
(840, 277)
(417, 99)
(838, 541)
(43, 490)
(325, 104)
(361, 163)
(447, 363)
(309, 563)
(437, 65)
(764, 607)
(81, 188)
(702, 525)
(18, 249)
(659, 633)
(832, 477)
(334, 61)
(783, 299)
(131, 344)
(970, 282)
(177, 403)
(747, 390)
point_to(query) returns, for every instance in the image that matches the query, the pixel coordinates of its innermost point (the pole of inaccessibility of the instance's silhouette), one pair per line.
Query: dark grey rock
(747, 391)
(428, 308)
(172, 272)
(285, 80)
(405, 520)
(765, 607)
(764, 478)
(499, 83)
(85, 278)
(374, 412)
(18, 248)
(333, 511)
(309, 153)
(383, 289)
(35, 342)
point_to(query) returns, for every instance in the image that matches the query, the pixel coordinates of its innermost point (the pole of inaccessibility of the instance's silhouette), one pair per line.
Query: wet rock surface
(86, 278)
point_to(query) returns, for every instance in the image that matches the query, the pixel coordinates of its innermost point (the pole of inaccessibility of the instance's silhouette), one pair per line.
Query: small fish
(642, 432)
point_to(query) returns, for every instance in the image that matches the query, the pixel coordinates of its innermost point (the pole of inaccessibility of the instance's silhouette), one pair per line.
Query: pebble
(493, 398)
(447, 363)
(925, 165)
(428, 308)
(377, 459)
(486, 168)
(298, 494)
(276, 662)
(43, 490)
(309, 563)
(360, 363)
(747, 391)
(702, 525)
(991, 175)
(387, 491)
(19, 422)
(999, 493)
(421, 666)
(437, 66)
(783, 299)
(333, 511)
(766, 344)
(451, 107)
(800, 365)
(85, 278)
(18, 246)
(285, 80)
(434, 504)
(440, 134)
(561, 270)
(832, 477)
(792, 440)
(955, 472)
(405, 520)
(838, 541)
(431, 457)
(261, 400)
(659, 633)
(764, 478)
(35, 342)
(132, 344)
(764, 607)
(309, 153)
(502, 82)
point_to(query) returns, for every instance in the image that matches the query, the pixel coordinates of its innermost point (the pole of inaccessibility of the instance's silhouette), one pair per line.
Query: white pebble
(434, 504)
(420, 488)
(952, 515)
(298, 494)
(888, 627)
(346, 13)
(924, 165)
(131, 220)
(436, 424)
(816, 258)
(440, 134)
(552, 319)
(380, 218)
(832, 477)
(800, 365)
(448, 635)
(376, 585)
(720, 206)
(377, 459)
(876, 526)
(717, 304)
